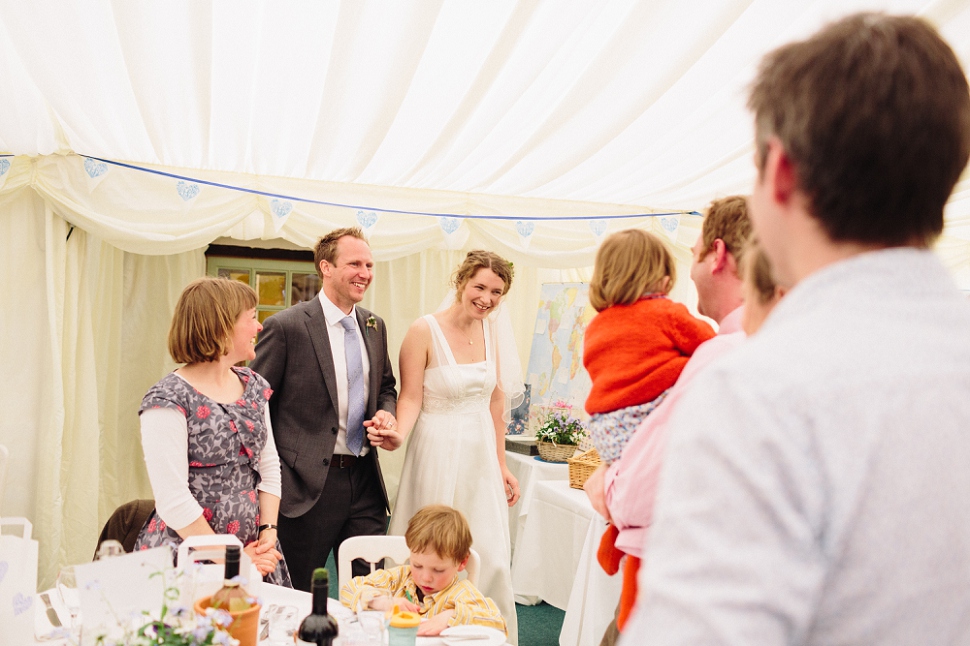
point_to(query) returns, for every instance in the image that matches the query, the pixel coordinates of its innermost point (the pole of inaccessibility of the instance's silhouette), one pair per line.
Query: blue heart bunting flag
(455, 234)
(670, 224)
(281, 210)
(4, 167)
(598, 227)
(367, 220)
(188, 191)
(525, 228)
(449, 225)
(96, 171)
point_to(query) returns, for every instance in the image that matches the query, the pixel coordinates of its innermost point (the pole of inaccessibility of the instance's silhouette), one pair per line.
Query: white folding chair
(374, 548)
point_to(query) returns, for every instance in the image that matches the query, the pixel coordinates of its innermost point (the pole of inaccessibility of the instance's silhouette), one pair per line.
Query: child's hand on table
(436, 624)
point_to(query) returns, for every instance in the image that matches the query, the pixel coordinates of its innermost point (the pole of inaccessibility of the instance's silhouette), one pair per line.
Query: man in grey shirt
(816, 488)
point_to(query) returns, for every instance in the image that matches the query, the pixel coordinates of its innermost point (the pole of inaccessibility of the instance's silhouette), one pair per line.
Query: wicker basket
(581, 468)
(551, 452)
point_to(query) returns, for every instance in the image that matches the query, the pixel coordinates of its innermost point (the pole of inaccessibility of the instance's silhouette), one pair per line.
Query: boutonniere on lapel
(371, 324)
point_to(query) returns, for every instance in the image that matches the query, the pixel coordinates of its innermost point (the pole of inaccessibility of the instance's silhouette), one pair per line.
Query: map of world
(556, 359)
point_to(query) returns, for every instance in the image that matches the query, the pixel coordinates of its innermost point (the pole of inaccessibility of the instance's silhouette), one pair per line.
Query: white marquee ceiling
(635, 104)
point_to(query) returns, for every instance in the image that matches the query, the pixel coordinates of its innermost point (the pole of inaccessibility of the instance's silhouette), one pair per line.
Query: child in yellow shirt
(440, 543)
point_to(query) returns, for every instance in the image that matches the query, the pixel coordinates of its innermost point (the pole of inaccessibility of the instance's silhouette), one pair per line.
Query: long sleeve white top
(165, 442)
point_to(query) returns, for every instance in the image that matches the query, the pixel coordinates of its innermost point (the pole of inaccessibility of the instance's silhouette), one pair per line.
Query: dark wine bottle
(232, 596)
(318, 627)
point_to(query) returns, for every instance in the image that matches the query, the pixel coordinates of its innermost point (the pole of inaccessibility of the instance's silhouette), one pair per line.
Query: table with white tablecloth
(555, 561)
(276, 595)
(528, 470)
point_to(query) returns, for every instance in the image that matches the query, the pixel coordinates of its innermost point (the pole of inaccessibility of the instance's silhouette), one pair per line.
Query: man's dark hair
(874, 112)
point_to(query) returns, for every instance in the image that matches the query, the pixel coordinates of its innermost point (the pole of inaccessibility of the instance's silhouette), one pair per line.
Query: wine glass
(70, 599)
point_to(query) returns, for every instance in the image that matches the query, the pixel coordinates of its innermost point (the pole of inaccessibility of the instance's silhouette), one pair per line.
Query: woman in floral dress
(206, 432)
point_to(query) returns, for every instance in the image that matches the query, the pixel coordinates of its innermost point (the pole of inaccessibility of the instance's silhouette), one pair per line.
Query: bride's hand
(382, 431)
(511, 486)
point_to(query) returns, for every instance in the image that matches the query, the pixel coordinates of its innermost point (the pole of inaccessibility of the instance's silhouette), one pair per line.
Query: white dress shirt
(336, 332)
(816, 486)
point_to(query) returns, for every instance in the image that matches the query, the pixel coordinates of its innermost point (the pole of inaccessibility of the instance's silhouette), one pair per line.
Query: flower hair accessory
(371, 323)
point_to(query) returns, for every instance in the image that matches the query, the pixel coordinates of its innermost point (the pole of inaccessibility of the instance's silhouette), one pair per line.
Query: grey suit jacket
(294, 355)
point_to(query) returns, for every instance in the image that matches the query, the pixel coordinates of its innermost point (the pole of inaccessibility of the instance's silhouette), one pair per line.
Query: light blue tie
(355, 387)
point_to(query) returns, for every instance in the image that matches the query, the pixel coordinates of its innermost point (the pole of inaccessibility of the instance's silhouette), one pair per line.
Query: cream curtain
(84, 329)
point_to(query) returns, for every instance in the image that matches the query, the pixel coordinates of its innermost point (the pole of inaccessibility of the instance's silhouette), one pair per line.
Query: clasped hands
(382, 431)
(263, 553)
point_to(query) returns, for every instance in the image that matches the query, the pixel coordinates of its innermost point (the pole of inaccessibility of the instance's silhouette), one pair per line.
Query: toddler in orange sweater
(635, 348)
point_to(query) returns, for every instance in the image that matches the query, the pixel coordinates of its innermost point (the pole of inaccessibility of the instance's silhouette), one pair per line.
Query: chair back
(125, 523)
(372, 549)
(375, 548)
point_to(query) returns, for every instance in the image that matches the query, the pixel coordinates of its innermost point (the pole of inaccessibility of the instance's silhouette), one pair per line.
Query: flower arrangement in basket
(559, 433)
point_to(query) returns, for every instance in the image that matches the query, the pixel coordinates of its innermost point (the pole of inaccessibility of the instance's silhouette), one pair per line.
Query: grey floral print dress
(225, 444)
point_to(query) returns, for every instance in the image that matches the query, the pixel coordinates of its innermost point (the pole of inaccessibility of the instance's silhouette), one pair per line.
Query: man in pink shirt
(625, 492)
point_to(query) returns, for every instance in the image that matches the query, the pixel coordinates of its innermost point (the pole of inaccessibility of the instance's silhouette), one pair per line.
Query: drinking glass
(374, 615)
(282, 624)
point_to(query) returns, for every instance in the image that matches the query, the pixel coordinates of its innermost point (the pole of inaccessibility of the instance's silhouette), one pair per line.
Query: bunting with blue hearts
(280, 209)
(367, 220)
(188, 191)
(525, 229)
(670, 224)
(280, 206)
(4, 171)
(598, 227)
(96, 171)
(455, 233)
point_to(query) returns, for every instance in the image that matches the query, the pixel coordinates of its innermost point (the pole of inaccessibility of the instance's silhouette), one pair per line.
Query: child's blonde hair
(440, 529)
(629, 264)
(757, 272)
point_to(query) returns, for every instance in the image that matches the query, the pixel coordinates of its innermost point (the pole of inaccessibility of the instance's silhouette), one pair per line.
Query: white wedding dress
(451, 460)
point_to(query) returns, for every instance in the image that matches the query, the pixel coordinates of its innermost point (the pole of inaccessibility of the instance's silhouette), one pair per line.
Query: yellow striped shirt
(470, 605)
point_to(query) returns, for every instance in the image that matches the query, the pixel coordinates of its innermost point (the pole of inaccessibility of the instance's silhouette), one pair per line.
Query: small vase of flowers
(173, 625)
(559, 433)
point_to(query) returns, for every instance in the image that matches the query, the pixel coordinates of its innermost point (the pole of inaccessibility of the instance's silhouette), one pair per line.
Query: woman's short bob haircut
(629, 264)
(479, 259)
(205, 315)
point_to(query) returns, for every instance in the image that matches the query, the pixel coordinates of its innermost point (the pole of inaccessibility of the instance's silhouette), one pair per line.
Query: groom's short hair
(326, 248)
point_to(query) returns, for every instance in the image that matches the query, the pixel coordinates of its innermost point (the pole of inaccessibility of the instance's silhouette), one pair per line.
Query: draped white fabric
(327, 114)
(633, 102)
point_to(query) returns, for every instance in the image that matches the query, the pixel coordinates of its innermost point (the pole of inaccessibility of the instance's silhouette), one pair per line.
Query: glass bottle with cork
(318, 627)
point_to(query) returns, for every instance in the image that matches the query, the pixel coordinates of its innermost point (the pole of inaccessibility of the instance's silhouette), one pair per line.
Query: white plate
(494, 637)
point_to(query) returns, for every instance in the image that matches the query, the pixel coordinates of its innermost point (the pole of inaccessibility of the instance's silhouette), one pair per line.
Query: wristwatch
(259, 530)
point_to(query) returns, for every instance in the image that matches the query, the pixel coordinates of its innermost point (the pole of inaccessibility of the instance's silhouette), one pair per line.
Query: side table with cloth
(555, 561)
(528, 471)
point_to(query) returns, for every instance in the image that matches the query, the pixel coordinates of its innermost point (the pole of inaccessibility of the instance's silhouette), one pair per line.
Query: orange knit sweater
(635, 352)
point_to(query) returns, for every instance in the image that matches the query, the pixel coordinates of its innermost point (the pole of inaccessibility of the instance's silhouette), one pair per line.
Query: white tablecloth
(528, 471)
(555, 561)
(272, 594)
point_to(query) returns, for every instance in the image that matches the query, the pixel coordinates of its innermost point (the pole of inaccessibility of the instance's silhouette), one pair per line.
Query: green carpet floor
(538, 625)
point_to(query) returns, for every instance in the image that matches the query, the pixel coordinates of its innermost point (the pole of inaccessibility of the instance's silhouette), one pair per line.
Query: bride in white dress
(460, 376)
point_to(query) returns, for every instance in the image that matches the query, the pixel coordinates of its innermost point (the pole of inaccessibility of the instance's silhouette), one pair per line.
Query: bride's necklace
(470, 342)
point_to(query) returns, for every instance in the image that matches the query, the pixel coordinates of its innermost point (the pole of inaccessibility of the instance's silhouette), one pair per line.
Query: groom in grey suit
(326, 361)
